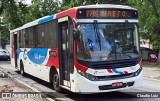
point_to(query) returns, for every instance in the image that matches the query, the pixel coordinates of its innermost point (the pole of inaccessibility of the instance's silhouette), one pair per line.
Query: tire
(56, 83)
(22, 69)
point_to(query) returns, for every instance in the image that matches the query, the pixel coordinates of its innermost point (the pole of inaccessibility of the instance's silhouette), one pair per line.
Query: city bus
(85, 49)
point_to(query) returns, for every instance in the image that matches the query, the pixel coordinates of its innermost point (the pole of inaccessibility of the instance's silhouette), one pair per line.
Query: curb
(9, 74)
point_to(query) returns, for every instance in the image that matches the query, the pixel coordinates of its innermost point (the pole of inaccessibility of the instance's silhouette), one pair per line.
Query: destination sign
(101, 13)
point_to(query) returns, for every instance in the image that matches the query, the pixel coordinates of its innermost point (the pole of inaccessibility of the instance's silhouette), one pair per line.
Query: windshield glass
(1, 53)
(4, 52)
(104, 42)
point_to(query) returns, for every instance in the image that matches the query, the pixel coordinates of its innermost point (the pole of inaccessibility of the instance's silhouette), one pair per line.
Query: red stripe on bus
(70, 12)
(109, 70)
(80, 67)
(125, 72)
(12, 55)
(53, 61)
(77, 65)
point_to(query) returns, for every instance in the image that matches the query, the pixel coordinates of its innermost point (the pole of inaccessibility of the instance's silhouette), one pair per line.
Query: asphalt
(151, 70)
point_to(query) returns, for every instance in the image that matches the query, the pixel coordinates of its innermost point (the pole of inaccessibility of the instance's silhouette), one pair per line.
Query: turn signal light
(140, 63)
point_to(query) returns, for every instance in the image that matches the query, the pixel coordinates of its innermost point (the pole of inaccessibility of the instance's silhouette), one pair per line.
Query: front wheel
(56, 83)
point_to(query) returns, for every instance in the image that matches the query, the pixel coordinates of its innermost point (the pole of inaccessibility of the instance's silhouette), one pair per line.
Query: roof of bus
(33, 23)
(108, 6)
(51, 17)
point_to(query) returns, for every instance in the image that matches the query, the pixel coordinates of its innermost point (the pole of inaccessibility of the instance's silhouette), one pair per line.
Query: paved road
(150, 85)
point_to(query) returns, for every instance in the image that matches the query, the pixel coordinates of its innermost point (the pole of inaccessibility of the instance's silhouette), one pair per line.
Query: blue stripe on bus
(37, 55)
(118, 72)
(18, 53)
(49, 18)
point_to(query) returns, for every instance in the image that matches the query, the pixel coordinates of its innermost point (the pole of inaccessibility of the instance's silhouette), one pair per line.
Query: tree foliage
(73, 3)
(4, 34)
(10, 13)
(9, 18)
(40, 8)
(149, 15)
(16, 14)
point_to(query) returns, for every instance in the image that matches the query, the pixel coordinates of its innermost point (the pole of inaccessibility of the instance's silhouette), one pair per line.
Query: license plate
(117, 84)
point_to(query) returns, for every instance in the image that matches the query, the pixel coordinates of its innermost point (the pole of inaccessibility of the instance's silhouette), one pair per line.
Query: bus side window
(24, 38)
(40, 36)
(51, 34)
(31, 37)
(20, 43)
(45, 35)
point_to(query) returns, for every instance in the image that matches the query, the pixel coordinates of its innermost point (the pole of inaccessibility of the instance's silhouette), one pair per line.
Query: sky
(28, 1)
(24, 1)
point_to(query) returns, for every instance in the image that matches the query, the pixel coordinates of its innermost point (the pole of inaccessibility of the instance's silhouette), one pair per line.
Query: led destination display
(100, 13)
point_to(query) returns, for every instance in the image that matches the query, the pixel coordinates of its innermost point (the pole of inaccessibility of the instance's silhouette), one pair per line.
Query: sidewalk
(151, 70)
(9, 85)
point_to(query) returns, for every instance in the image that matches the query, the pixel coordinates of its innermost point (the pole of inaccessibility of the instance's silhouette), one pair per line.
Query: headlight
(138, 72)
(88, 76)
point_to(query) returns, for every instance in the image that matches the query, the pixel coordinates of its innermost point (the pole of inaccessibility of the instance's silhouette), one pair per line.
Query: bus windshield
(106, 42)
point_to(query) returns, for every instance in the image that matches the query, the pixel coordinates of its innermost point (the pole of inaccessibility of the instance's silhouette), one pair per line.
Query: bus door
(65, 49)
(15, 49)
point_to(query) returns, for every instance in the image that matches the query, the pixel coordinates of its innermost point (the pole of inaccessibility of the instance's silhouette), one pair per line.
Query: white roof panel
(108, 6)
(35, 22)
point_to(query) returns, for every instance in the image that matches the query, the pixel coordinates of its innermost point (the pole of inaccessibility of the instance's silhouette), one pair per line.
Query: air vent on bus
(107, 65)
(114, 77)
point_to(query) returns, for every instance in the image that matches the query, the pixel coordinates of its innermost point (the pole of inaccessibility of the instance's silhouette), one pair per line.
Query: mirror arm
(75, 33)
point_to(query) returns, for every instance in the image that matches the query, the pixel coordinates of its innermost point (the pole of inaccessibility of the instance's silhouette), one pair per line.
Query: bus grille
(114, 65)
(114, 77)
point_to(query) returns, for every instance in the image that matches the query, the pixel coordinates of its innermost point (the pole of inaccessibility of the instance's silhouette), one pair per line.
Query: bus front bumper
(83, 85)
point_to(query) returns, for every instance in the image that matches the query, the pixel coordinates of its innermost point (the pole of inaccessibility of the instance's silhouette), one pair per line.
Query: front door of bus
(66, 47)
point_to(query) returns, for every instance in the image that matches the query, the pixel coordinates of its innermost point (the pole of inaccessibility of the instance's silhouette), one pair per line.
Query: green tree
(66, 4)
(16, 14)
(9, 18)
(10, 14)
(149, 20)
(40, 8)
(23, 13)
(4, 34)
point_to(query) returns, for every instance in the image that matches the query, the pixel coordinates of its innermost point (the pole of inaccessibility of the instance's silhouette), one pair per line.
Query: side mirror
(76, 33)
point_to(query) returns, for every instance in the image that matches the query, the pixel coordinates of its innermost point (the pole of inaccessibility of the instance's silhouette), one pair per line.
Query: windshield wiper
(96, 29)
(129, 56)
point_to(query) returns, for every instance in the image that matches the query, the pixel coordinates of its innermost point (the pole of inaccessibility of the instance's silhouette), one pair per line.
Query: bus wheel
(56, 83)
(22, 69)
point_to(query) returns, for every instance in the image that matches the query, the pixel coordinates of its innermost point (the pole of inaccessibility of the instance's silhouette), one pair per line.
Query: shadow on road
(36, 79)
(79, 97)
